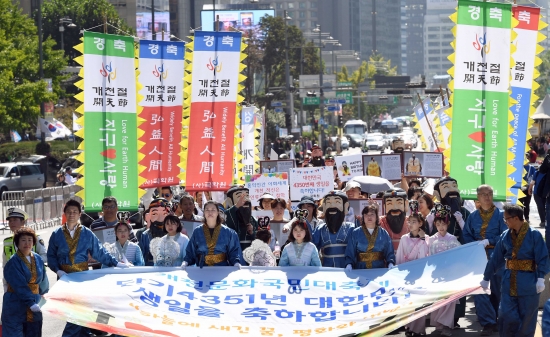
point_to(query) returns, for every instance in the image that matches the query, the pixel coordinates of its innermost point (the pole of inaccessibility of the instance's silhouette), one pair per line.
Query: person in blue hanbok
(159, 208)
(123, 249)
(300, 251)
(68, 251)
(370, 245)
(485, 225)
(212, 243)
(169, 251)
(331, 238)
(523, 252)
(26, 281)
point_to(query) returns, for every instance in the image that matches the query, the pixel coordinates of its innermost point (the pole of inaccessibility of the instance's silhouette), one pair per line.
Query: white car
(344, 142)
(20, 176)
(374, 143)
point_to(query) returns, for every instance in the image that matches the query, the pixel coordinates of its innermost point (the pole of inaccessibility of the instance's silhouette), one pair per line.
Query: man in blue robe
(331, 237)
(523, 252)
(68, 251)
(485, 225)
(239, 217)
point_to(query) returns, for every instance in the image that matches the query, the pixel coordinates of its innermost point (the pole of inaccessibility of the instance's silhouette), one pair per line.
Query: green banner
(110, 121)
(479, 143)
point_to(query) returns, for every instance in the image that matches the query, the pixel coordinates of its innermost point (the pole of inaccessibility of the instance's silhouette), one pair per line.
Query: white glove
(348, 267)
(238, 265)
(485, 242)
(184, 265)
(60, 273)
(459, 219)
(286, 228)
(540, 285)
(484, 284)
(390, 265)
(122, 265)
(35, 308)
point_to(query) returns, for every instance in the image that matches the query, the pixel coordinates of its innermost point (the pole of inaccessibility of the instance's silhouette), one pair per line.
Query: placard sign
(423, 164)
(277, 228)
(349, 166)
(383, 165)
(272, 166)
(275, 184)
(311, 181)
(189, 226)
(359, 204)
(105, 235)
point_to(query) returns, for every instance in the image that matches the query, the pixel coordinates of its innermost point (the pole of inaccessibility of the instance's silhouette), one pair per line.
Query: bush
(56, 149)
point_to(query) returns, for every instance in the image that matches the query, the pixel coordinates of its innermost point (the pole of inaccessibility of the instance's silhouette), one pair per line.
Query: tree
(21, 89)
(544, 78)
(85, 14)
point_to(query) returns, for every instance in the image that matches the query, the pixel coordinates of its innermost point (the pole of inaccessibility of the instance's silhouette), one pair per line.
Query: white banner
(311, 181)
(247, 145)
(349, 166)
(275, 184)
(76, 126)
(264, 301)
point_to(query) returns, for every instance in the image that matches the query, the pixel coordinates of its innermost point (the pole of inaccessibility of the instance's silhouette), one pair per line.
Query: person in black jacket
(545, 168)
(239, 215)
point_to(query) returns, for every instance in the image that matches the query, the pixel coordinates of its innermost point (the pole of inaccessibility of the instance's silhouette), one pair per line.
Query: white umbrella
(372, 184)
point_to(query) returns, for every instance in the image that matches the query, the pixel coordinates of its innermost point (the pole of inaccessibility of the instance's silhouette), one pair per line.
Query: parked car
(355, 140)
(20, 176)
(54, 165)
(344, 143)
(374, 143)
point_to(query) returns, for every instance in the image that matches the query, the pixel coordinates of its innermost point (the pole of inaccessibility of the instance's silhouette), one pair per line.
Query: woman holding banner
(123, 249)
(369, 246)
(212, 243)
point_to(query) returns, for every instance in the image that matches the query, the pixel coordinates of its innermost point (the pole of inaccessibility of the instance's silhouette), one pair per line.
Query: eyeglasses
(109, 207)
(166, 195)
(510, 217)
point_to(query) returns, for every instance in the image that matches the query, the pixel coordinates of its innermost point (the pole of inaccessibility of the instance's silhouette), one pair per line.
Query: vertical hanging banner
(424, 118)
(248, 146)
(524, 85)
(481, 80)
(110, 155)
(211, 110)
(161, 76)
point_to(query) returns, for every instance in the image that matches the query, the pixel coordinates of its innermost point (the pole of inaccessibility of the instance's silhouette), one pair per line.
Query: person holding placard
(331, 238)
(212, 243)
(239, 216)
(123, 249)
(369, 246)
(312, 221)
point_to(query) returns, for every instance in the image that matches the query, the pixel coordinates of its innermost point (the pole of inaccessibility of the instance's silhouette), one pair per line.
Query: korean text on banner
(161, 77)
(481, 80)
(311, 181)
(248, 146)
(327, 302)
(349, 166)
(214, 94)
(523, 85)
(275, 184)
(110, 156)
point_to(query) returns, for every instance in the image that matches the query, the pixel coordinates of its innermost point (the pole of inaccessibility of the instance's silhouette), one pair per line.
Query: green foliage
(43, 148)
(86, 14)
(58, 149)
(21, 90)
(544, 78)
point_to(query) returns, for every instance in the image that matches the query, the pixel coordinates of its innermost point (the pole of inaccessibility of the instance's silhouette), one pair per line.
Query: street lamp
(290, 99)
(317, 29)
(62, 22)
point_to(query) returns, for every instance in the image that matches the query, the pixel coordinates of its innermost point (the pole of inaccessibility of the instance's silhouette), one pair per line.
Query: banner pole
(428, 121)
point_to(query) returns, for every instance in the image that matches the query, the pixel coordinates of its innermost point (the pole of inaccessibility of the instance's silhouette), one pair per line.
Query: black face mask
(156, 229)
(317, 161)
(453, 200)
(244, 213)
(334, 221)
(396, 222)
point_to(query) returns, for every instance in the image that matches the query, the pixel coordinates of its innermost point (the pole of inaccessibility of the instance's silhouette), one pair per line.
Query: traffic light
(340, 121)
(288, 121)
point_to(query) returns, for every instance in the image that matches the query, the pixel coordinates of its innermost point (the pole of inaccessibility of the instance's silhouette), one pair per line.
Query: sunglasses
(166, 195)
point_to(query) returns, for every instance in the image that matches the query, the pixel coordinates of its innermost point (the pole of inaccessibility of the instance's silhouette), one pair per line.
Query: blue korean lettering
(272, 300)
(327, 285)
(261, 313)
(211, 299)
(218, 285)
(190, 295)
(322, 302)
(283, 313)
(129, 282)
(350, 300)
(321, 316)
(244, 283)
(273, 283)
(174, 306)
(149, 297)
(208, 312)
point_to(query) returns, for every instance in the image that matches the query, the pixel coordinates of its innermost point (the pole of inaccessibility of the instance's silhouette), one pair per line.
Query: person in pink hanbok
(413, 246)
(443, 318)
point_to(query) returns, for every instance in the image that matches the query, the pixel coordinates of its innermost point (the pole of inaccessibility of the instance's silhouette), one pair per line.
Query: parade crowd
(422, 218)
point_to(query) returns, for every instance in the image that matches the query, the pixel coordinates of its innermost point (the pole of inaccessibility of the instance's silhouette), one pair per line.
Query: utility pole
(321, 93)
(289, 95)
(154, 34)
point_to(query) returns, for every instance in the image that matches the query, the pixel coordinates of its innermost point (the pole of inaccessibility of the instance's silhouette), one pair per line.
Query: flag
(50, 131)
(76, 126)
(63, 129)
(15, 137)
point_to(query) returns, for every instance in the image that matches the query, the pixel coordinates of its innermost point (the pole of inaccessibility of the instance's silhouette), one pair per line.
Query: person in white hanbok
(442, 318)
(123, 249)
(259, 253)
(411, 247)
(169, 251)
(300, 251)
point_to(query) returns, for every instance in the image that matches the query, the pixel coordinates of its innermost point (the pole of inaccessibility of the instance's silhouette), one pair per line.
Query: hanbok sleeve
(315, 261)
(53, 264)
(190, 250)
(351, 257)
(496, 260)
(468, 232)
(15, 276)
(388, 251)
(138, 258)
(234, 248)
(283, 261)
(541, 255)
(400, 254)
